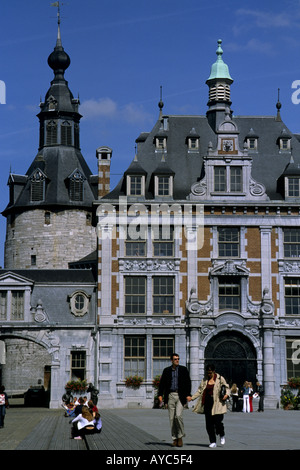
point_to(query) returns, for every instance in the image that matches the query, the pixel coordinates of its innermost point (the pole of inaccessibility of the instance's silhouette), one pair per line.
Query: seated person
(93, 408)
(78, 408)
(97, 422)
(83, 424)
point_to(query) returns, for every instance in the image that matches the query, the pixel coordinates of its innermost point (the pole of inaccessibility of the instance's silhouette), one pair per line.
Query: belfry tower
(49, 214)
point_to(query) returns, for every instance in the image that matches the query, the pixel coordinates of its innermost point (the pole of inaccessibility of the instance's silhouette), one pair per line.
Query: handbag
(222, 392)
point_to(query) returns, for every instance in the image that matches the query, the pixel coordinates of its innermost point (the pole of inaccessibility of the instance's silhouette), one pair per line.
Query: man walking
(175, 386)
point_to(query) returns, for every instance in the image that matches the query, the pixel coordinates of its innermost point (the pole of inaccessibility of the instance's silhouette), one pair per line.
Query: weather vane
(56, 4)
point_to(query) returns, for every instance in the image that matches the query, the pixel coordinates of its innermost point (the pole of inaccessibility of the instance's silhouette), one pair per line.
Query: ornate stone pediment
(230, 268)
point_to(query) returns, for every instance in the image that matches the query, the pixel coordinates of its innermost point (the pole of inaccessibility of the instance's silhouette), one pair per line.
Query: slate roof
(48, 276)
(269, 162)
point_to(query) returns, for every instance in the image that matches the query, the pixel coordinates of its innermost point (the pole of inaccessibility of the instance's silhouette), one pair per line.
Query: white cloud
(267, 19)
(104, 107)
(108, 108)
(253, 45)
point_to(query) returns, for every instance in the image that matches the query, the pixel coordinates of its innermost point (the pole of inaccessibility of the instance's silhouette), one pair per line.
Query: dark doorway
(233, 356)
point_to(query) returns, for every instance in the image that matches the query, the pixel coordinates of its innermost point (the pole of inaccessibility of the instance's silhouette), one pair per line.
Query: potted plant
(287, 398)
(133, 381)
(294, 382)
(78, 386)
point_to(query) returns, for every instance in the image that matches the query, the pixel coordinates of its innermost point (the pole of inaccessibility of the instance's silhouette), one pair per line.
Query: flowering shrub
(156, 381)
(288, 400)
(294, 382)
(133, 381)
(77, 385)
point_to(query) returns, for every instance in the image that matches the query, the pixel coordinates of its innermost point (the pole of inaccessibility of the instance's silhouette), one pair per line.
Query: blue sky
(123, 51)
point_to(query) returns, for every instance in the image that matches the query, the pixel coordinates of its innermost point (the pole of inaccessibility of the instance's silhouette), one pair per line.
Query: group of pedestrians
(175, 391)
(246, 395)
(86, 417)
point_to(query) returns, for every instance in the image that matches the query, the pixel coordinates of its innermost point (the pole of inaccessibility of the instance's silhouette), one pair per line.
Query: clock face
(227, 145)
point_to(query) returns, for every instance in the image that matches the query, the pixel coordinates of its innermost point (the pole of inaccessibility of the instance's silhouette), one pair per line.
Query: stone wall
(40, 239)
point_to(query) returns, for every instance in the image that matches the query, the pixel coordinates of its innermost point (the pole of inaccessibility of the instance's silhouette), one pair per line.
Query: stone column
(193, 328)
(268, 326)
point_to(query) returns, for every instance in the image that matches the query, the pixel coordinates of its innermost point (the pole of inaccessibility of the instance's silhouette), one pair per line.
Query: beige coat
(219, 407)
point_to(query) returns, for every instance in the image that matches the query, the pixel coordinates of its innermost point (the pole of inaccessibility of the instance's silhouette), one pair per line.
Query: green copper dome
(219, 69)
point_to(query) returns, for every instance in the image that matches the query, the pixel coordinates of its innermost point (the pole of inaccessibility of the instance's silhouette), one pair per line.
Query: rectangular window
(193, 143)
(163, 295)
(137, 248)
(229, 294)
(163, 188)
(66, 134)
(292, 296)
(220, 179)
(293, 187)
(17, 305)
(236, 179)
(135, 185)
(134, 356)
(3, 305)
(228, 242)
(78, 365)
(293, 356)
(135, 295)
(252, 143)
(162, 349)
(51, 133)
(76, 190)
(163, 241)
(291, 242)
(160, 143)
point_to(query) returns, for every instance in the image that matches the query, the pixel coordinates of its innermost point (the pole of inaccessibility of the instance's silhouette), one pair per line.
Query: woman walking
(212, 404)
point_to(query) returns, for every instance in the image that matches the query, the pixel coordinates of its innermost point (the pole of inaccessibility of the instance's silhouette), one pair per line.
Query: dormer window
(284, 144)
(193, 143)
(292, 186)
(284, 141)
(52, 103)
(163, 185)
(76, 181)
(37, 187)
(192, 140)
(79, 303)
(252, 143)
(161, 143)
(135, 185)
(251, 140)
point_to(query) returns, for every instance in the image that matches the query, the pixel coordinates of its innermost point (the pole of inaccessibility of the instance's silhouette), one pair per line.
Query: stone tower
(49, 214)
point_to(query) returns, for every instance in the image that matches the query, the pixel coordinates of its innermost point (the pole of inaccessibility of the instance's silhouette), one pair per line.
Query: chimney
(103, 155)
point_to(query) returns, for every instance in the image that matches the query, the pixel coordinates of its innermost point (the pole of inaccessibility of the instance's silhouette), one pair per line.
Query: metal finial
(160, 104)
(278, 106)
(57, 5)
